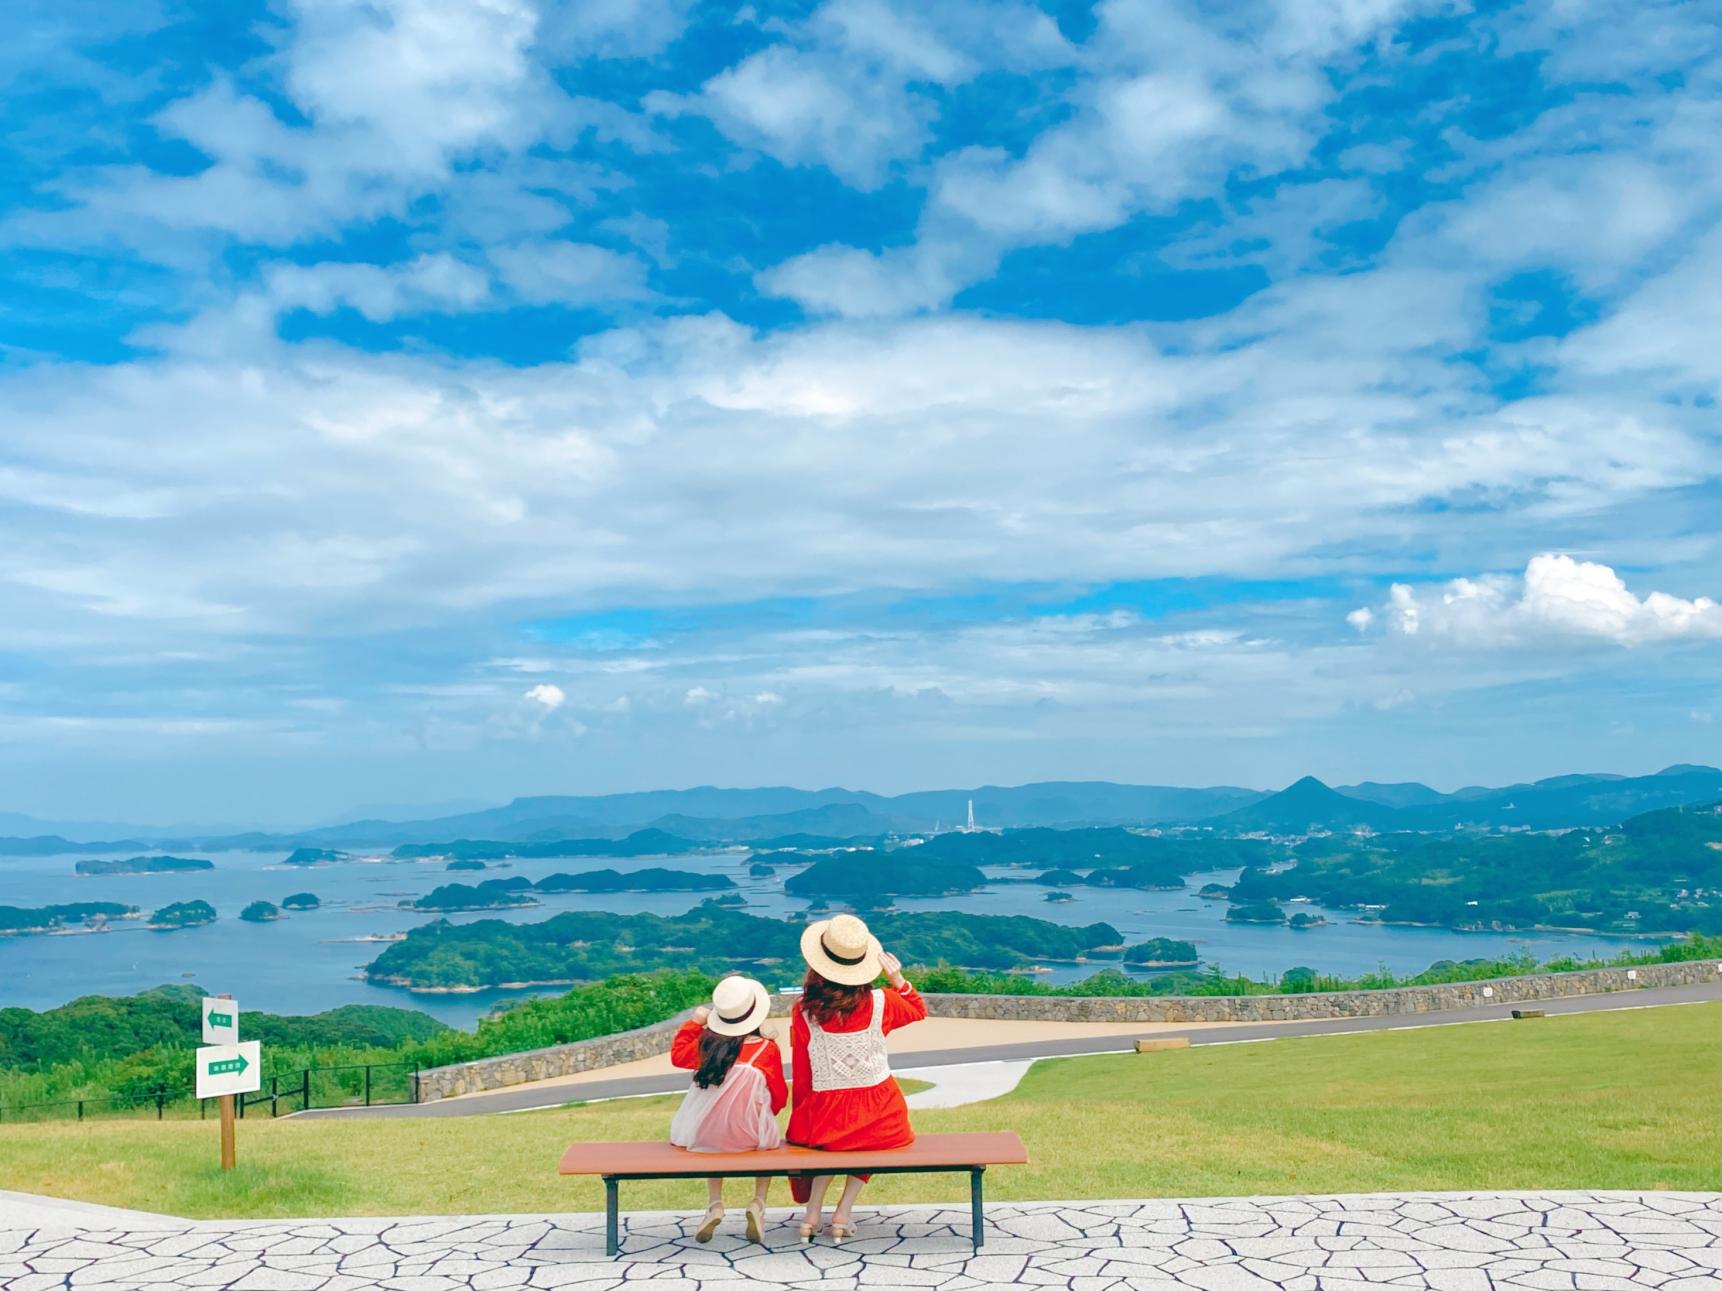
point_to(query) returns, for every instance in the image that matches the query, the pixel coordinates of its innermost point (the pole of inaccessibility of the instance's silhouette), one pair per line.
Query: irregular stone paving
(1448, 1242)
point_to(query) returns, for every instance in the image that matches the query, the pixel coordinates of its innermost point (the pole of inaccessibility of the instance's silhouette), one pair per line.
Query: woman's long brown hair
(823, 1000)
(717, 1055)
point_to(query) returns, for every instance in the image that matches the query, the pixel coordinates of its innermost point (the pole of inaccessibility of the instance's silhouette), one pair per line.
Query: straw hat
(841, 950)
(739, 1005)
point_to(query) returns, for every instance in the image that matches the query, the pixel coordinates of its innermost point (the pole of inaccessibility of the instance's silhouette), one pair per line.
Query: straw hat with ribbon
(841, 950)
(739, 1005)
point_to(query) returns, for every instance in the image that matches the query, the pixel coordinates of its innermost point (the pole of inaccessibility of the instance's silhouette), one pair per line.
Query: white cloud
(612, 28)
(379, 292)
(844, 91)
(697, 696)
(548, 694)
(570, 272)
(861, 284)
(1557, 597)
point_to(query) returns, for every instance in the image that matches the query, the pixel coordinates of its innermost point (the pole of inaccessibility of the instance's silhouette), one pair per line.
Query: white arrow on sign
(220, 1021)
(229, 1069)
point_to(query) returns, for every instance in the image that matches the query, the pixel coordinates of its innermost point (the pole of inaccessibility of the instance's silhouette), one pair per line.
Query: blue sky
(430, 400)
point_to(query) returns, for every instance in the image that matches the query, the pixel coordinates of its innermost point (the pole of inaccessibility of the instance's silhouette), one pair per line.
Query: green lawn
(1608, 1100)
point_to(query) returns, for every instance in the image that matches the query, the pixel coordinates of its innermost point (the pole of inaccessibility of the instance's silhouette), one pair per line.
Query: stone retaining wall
(558, 1060)
(1320, 1005)
(648, 1042)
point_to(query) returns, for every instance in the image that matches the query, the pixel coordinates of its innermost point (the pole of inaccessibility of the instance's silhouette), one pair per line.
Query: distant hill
(1308, 805)
(1560, 802)
(710, 815)
(1405, 794)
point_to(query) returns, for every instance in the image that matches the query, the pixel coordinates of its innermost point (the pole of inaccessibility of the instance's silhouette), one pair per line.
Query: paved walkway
(1443, 1242)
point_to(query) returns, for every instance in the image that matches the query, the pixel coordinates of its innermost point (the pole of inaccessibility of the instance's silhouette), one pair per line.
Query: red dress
(844, 1120)
(685, 1053)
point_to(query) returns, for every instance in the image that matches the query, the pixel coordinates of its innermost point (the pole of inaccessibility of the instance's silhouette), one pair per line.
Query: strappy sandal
(756, 1222)
(807, 1232)
(840, 1232)
(709, 1225)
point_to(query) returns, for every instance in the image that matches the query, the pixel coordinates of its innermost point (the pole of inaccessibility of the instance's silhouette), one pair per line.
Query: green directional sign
(220, 1019)
(221, 1066)
(229, 1069)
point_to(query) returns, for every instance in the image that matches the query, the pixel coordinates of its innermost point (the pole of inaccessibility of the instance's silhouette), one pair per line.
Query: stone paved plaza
(1451, 1242)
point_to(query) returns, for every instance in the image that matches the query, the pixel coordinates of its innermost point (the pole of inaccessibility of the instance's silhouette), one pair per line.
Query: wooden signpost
(225, 1067)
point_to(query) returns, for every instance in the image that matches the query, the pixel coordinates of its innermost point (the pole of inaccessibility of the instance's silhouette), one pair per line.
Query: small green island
(760, 870)
(1162, 952)
(315, 856)
(144, 865)
(85, 915)
(1256, 912)
(1058, 898)
(492, 894)
(1304, 919)
(648, 880)
(301, 901)
(871, 875)
(260, 912)
(467, 863)
(182, 914)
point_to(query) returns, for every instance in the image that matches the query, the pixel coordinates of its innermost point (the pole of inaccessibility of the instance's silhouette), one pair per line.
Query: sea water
(310, 961)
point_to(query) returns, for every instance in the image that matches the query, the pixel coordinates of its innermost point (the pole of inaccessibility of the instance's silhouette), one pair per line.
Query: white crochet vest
(850, 1059)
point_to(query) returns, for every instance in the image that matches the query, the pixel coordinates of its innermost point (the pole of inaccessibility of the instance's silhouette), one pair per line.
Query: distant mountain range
(709, 814)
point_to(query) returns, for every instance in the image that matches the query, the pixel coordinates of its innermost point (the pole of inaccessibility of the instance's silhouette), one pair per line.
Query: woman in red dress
(845, 1096)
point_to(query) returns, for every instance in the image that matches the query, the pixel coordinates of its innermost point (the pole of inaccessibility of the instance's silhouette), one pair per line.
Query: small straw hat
(841, 950)
(739, 1005)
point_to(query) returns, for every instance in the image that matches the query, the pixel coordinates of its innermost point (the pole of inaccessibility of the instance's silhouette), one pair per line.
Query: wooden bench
(929, 1154)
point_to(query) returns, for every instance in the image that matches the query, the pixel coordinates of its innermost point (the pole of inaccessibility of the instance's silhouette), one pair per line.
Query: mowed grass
(1606, 1100)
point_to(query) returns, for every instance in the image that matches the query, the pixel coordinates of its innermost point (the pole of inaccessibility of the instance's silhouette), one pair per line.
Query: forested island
(21, 920)
(492, 894)
(301, 901)
(467, 865)
(260, 912)
(182, 914)
(1255, 912)
(1162, 952)
(866, 876)
(315, 856)
(1658, 873)
(585, 946)
(144, 865)
(642, 842)
(654, 879)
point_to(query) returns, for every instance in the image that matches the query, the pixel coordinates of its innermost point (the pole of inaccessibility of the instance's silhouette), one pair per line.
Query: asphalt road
(528, 1098)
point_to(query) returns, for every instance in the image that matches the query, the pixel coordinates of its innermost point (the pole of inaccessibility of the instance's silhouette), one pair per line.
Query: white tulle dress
(735, 1116)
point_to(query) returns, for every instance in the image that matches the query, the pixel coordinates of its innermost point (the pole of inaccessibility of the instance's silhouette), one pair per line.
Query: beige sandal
(841, 1231)
(807, 1231)
(709, 1225)
(756, 1222)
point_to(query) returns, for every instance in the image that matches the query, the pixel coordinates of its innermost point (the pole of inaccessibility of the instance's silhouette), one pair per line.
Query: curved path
(1579, 1241)
(522, 1098)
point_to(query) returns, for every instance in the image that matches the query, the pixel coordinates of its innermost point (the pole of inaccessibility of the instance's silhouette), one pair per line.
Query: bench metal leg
(977, 1218)
(612, 1237)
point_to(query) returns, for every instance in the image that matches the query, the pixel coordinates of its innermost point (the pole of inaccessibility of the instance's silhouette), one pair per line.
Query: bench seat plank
(645, 1159)
(655, 1159)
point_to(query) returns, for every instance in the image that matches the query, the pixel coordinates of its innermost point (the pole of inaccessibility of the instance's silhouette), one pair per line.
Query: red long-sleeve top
(762, 1053)
(850, 1120)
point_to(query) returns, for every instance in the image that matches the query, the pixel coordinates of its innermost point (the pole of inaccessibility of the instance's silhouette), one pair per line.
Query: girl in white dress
(737, 1092)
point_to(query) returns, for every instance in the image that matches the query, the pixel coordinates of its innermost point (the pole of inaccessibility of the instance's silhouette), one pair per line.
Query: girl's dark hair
(717, 1055)
(823, 1000)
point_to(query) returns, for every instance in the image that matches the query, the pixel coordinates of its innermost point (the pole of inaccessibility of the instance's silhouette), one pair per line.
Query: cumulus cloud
(550, 695)
(1556, 597)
